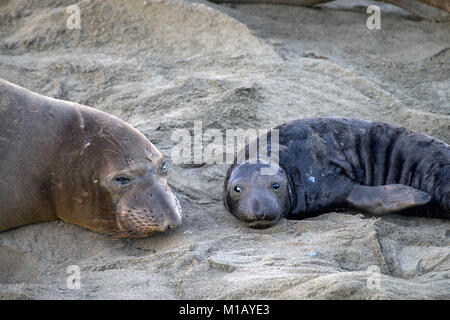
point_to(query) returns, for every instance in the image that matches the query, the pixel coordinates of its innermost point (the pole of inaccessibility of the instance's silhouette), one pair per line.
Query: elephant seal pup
(63, 160)
(333, 164)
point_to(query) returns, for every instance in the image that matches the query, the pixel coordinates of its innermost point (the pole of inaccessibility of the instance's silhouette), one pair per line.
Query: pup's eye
(275, 186)
(164, 167)
(237, 189)
(122, 180)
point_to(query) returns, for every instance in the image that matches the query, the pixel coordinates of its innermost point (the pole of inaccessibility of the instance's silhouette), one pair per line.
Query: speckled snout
(149, 208)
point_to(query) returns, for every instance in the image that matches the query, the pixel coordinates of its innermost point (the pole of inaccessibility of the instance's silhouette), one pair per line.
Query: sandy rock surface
(161, 65)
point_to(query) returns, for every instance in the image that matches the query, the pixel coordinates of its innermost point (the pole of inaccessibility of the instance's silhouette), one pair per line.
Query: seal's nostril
(171, 226)
(259, 215)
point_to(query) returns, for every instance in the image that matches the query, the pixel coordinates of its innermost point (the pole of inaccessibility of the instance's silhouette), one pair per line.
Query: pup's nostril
(258, 211)
(259, 215)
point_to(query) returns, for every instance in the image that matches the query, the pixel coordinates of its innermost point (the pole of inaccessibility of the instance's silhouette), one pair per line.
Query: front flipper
(387, 198)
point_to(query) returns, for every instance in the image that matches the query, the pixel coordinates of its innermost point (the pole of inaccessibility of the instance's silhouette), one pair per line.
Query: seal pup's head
(257, 200)
(112, 179)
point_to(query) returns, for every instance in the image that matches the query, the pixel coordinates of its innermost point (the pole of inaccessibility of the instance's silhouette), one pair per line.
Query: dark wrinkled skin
(335, 164)
(62, 160)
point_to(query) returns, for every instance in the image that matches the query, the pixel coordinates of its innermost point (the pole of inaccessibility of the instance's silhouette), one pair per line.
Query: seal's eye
(122, 180)
(164, 167)
(237, 189)
(275, 186)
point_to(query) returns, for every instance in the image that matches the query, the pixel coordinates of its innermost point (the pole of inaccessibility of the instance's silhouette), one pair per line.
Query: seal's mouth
(147, 209)
(260, 224)
(138, 231)
(142, 223)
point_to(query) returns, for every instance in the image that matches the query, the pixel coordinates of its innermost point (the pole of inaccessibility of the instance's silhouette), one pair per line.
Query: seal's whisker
(117, 237)
(121, 234)
(125, 230)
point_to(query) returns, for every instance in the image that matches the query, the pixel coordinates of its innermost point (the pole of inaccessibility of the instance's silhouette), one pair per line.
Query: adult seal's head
(256, 199)
(109, 178)
(63, 160)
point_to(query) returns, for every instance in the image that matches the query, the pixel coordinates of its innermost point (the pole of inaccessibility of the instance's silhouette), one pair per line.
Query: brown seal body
(413, 6)
(333, 164)
(63, 160)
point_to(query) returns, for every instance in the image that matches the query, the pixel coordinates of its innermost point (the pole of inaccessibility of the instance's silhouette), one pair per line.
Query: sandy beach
(161, 66)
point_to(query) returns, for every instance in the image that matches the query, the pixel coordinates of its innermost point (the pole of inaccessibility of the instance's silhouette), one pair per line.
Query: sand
(161, 65)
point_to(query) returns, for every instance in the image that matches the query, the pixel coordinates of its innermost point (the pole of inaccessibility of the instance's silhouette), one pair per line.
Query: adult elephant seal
(333, 164)
(63, 160)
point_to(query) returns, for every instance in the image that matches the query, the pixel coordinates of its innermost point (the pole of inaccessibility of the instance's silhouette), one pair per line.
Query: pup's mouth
(260, 224)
